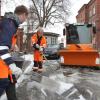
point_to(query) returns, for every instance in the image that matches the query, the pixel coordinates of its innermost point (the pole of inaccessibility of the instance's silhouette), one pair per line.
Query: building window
(90, 13)
(53, 40)
(94, 10)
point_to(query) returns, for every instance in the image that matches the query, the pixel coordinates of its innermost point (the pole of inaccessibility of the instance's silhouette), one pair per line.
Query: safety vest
(34, 39)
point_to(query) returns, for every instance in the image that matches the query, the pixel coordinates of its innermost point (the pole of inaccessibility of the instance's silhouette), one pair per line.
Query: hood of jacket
(12, 16)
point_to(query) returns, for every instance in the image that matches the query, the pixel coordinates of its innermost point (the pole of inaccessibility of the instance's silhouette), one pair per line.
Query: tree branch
(36, 10)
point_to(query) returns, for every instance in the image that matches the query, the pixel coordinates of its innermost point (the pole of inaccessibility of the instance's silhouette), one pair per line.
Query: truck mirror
(94, 29)
(61, 45)
(64, 32)
(89, 25)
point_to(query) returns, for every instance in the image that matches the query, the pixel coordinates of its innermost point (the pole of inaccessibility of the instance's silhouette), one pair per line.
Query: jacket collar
(12, 16)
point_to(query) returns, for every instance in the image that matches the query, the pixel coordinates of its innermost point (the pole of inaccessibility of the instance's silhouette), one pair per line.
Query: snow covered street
(57, 83)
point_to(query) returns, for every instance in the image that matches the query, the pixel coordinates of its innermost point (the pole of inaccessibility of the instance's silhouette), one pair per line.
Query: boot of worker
(35, 69)
(40, 70)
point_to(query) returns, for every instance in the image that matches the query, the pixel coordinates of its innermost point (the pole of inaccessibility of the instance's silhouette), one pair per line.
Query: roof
(51, 34)
(46, 34)
(91, 1)
(83, 7)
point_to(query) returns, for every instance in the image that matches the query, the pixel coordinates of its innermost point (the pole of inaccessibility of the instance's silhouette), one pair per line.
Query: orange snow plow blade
(80, 54)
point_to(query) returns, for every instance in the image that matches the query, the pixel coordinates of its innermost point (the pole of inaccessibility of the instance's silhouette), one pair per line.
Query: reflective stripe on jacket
(6, 61)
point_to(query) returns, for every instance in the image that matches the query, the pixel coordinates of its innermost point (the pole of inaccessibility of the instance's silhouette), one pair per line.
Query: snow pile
(36, 86)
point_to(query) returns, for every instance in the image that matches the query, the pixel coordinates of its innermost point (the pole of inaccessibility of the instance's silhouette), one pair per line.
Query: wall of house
(98, 23)
(82, 16)
(93, 14)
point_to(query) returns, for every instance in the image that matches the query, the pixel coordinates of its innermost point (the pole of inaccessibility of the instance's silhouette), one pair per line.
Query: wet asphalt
(60, 83)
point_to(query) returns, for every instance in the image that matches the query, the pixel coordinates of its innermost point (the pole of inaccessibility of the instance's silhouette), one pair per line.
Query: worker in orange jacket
(8, 69)
(38, 43)
(7, 78)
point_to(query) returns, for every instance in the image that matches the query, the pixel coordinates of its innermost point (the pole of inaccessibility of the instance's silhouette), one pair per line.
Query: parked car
(51, 51)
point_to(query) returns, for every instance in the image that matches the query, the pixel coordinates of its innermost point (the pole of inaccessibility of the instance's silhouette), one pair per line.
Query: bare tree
(44, 12)
(49, 11)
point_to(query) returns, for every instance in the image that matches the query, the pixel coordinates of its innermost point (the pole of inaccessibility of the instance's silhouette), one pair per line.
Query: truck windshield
(78, 34)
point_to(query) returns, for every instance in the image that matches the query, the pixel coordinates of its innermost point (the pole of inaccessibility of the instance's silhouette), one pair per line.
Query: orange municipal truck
(79, 50)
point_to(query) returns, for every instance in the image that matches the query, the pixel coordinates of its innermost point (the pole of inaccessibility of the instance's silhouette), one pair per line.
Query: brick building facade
(90, 13)
(82, 16)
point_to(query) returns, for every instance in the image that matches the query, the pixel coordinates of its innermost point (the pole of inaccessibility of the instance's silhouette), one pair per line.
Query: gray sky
(9, 5)
(76, 5)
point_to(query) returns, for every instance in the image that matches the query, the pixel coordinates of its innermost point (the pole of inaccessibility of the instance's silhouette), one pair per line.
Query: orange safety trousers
(38, 55)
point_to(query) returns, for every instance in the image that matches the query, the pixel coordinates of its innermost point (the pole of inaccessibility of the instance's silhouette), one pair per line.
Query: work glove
(15, 70)
(14, 79)
(36, 46)
(41, 49)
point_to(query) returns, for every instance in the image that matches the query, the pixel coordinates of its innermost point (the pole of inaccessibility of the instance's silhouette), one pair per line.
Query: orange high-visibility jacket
(37, 54)
(4, 69)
